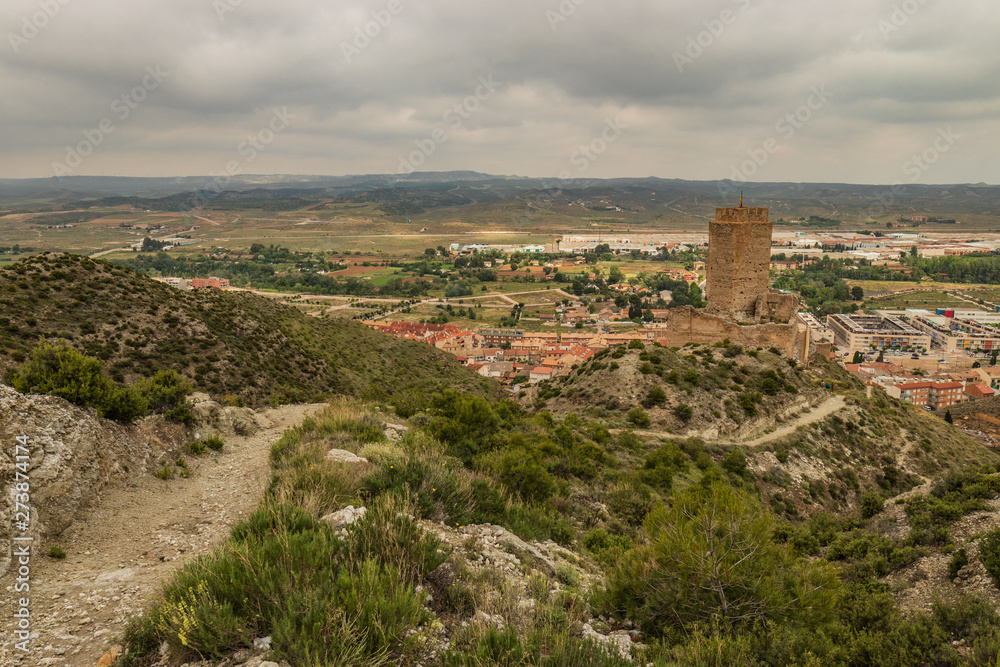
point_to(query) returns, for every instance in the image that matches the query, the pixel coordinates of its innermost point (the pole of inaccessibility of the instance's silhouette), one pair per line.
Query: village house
(975, 392)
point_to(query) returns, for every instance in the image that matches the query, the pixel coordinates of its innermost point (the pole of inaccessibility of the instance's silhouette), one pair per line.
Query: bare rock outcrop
(72, 456)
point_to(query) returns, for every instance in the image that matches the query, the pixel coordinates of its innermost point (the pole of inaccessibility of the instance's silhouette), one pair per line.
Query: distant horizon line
(417, 174)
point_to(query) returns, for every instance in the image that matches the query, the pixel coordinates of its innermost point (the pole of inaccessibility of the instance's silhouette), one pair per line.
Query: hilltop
(809, 433)
(237, 345)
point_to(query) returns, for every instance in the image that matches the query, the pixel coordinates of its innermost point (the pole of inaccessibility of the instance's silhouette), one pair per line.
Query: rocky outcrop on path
(72, 457)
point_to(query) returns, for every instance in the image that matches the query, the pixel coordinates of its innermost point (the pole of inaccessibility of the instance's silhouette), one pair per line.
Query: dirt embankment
(125, 540)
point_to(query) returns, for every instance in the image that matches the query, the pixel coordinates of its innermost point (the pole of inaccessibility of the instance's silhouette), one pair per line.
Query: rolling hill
(228, 343)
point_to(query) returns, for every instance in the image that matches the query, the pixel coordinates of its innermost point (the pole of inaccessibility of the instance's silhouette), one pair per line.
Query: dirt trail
(818, 413)
(119, 551)
(814, 414)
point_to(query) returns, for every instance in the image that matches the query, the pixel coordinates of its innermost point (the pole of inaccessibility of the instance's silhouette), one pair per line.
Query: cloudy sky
(862, 91)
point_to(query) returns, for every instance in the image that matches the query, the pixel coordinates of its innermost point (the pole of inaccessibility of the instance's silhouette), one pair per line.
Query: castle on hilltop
(741, 306)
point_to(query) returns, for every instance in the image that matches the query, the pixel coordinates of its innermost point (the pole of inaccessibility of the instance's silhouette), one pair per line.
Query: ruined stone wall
(778, 306)
(739, 261)
(689, 325)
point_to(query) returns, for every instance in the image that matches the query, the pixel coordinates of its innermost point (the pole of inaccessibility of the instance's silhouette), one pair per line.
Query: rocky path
(120, 551)
(818, 413)
(811, 416)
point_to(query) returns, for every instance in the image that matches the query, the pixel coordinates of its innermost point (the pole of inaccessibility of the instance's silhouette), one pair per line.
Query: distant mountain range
(635, 199)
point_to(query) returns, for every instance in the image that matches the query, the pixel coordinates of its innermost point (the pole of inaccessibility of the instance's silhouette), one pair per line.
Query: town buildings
(213, 282)
(864, 332)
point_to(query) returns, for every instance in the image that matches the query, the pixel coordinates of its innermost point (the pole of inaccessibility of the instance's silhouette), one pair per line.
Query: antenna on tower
(741, 199)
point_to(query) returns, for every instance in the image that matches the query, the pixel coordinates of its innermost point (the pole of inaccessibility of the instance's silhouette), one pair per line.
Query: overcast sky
(861, 91)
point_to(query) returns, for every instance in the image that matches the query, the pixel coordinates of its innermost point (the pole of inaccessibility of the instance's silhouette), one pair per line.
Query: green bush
(166, 390)
(606, 547)
(526, 477)
(871, 504)
(323, 599)
(59, 370)
(711, 556)
(181, 413)
(661, 465)
(656, 395)
(57, 552)
(989, 554)
(197, 448)
(959, 559)
(547, 647)
(735, 462)
(684, 412)
(630, 503)
(638, 417)
(214, 442)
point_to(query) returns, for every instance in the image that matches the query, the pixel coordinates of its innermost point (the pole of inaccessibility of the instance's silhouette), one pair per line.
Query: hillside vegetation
(494, 536)
(230, 344)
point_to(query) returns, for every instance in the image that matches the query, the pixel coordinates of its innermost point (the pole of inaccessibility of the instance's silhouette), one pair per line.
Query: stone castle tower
(739, 261)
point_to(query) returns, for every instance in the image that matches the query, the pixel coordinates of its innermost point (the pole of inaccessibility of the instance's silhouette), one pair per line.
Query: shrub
(566, 575)
(656, 395)
(871, 504)
(630, 503)
(181, 413)
(608, 548)
(164, 391)
(638, 417)
(684, 412)
(521, 474)
(197, 448)
(59, 370)
(164, 472)
(661, 465)
(214, 442)
(57, 552)
(64, 372)
(735, 462)
(324, 599)
(711, 556)
(989, 554)
(125, 404)
(959, 559)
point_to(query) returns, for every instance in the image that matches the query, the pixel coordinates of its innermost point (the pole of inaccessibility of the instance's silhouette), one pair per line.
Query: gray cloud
(700, 86)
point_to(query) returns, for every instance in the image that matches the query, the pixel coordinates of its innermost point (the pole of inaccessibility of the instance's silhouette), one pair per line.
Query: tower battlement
(742, 214)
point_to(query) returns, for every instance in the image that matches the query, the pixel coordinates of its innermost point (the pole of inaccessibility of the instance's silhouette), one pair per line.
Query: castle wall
(689, 325)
